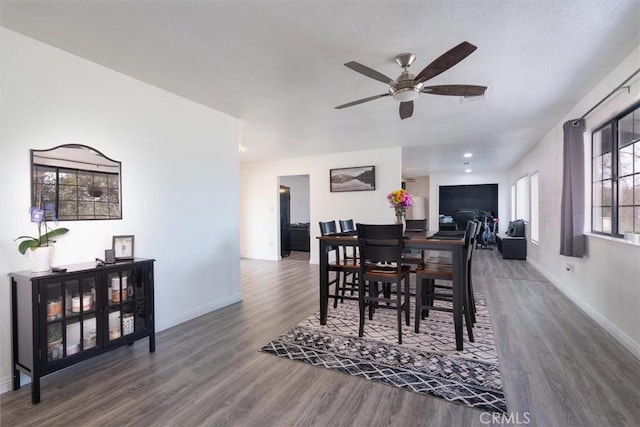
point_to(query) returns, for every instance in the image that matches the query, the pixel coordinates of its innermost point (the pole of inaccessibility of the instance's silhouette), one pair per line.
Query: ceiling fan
(408, 87)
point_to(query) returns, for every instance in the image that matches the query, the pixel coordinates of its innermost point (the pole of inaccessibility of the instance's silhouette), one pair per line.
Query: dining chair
(462, 217)
(381, 263)
(347, 226)
(414, 257)
(346, 270)
(415, 225)
(446, 260)
(427, 292)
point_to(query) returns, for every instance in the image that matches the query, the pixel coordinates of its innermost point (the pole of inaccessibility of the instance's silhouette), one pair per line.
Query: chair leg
(467, 316)
(399, 314)
(361, 302)
(407, 300)
(373, 292)
(337, 293)
(419, 302)
(472, 299)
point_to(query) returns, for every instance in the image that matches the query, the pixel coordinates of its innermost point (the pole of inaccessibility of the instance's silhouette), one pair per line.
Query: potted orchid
(40, 247)
(400, 200)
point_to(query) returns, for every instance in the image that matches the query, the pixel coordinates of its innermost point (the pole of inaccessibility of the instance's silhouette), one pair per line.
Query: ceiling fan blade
(406, 110)
(445, 61)
(369, 72)
(360, 101)
(455, 90)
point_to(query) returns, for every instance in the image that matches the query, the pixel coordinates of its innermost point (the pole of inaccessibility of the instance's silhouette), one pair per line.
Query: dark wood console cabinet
(60, 319)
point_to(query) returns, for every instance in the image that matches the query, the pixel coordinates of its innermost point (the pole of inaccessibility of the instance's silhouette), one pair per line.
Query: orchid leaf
(32, 242)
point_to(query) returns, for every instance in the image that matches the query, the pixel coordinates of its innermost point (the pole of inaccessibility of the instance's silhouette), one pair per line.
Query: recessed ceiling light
(467, 170)
(467, 154)
(242, 148)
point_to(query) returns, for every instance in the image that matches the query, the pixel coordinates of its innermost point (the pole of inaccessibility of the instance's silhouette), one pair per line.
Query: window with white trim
(522, 199)
(615, 175)
(513, 202)
(534, 224)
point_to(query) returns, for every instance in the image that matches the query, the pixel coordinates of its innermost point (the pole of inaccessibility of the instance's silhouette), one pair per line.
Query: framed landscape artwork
(360, 178)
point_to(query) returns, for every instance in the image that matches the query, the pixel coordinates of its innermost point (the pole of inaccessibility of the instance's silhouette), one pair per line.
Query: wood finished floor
(558, 367)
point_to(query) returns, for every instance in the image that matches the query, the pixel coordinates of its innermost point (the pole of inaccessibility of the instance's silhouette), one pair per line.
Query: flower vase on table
(400, 200)
(400, 216)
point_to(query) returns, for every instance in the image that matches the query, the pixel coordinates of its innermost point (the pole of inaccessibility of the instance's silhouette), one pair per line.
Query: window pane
(534, 208)
(636, 190)
(513, 202)
(636, 150)
(626, 132)
(625, 158)
(596, 219)
(597, 169)
(606, 220)
(625, 220)
(607, 139)
(606, 166)
(597, 194)
(596, 145)
(522, 199)
(606, 193)
(637, 216)
(625, 191)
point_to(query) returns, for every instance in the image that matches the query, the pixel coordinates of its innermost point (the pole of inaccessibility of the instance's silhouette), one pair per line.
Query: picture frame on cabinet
(123, 247)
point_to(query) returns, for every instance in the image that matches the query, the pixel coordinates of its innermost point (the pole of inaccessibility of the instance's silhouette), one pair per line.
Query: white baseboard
(5, 385)
(165, 323)
(601, 320)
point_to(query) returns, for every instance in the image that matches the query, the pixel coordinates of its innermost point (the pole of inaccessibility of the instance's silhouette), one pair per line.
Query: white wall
(175, 154)
(299, 189)
(606, 282)
(436, 181)
(259, 235)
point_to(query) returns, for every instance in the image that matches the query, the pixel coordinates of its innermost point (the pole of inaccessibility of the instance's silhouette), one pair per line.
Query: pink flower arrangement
(400, 200)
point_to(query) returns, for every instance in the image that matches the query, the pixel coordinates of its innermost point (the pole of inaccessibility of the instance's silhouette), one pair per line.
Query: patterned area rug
(425, 363)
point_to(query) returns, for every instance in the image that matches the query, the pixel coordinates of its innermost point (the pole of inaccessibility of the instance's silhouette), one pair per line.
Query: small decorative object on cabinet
(60, 319)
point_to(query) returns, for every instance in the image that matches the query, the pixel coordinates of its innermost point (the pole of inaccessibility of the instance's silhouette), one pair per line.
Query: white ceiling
(278, 66)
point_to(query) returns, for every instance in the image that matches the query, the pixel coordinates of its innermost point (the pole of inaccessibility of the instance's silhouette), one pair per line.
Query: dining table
(411, 240)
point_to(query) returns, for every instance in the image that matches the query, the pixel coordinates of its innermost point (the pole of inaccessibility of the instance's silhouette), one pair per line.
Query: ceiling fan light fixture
(406, 94)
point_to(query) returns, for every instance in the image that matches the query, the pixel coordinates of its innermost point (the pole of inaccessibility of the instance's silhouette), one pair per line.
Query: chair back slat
(328, 228)
(416, 224)
(347, 225)
(380, 243)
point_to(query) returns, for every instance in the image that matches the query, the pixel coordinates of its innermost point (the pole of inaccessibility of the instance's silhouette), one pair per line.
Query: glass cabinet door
(126, 295)
(70, 317)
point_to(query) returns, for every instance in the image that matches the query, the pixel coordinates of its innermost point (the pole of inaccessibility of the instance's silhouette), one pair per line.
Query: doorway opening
(294, 217)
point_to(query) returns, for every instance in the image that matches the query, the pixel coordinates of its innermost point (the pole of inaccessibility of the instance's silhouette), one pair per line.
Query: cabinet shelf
(48, 336)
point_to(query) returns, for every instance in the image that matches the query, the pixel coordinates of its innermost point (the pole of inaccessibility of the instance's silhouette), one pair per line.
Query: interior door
(285, 221)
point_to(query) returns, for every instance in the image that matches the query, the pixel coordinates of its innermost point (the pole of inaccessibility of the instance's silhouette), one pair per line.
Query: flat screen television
(478, 197)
